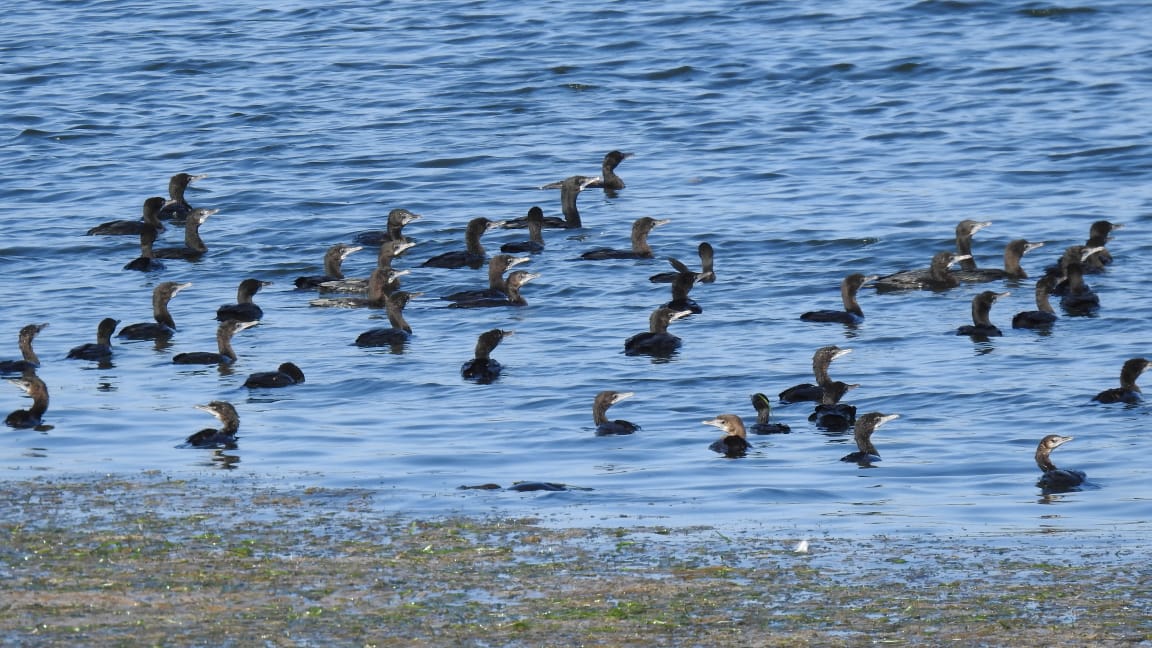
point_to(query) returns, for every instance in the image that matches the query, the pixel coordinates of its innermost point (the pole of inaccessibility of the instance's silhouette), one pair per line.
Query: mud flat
(150, 560)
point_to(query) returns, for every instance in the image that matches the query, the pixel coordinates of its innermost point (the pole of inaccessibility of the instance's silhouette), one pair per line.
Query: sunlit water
(804, 144)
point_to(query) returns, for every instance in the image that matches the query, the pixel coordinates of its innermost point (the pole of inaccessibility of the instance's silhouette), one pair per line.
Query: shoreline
(108, 559)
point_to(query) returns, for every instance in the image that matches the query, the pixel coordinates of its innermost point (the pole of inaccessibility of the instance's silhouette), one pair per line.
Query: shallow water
(802, 145)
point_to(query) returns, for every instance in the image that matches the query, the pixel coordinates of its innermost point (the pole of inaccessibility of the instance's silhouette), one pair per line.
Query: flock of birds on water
(1064, 278)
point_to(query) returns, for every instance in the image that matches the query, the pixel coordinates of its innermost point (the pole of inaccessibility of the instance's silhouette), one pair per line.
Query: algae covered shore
(159, 561)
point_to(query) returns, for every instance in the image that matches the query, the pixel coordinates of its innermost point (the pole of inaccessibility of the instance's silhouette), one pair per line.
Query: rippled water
(804, 144)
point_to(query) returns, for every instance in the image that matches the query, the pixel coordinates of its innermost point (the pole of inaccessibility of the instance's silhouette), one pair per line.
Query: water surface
(804, 144)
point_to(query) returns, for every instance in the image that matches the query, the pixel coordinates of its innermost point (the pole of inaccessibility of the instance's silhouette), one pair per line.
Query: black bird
(763, 412)
(1079, 298)
(483, 369)
(865, 426)
(1073, 255)
(164, 326)
(570, 189)
(609, 181)
(150, 218)
(397, 219)
(147, 261)
(706, 275)
(1098, 236)
(497, 285)
(831, 414)
(225, 355)
(604, 426)
(936, 277)
(1055, 479)
(29, 360)
(35, 388)
(177, 207)
(389, 250)
(852, 314)
(474, 255)
(534, 221)
(333, 266)
(1128, 391)
(981, 326)
(656, 341)
(244, 310)
(964, 231)
(821, 360)
(101, 349)
(516, 279)
(286, 374)
(194, 246)
(1044, 315)
(381, 283)
(680, 289)
(640, 248)
(217, 439)
(1013, 252)
(734, 443)
(399, 332)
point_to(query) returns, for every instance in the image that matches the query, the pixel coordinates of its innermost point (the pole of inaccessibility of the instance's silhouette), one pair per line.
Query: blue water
(803, 143)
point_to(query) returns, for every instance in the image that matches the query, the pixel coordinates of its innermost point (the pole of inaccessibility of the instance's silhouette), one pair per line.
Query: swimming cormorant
(28, 358)
(516, 279)
(164, 326)
(474, 254)
(1128, 391)
(244, 310)
(483, 369)
(1055, 479)
(286, 374)
(397, 219)
(609, 181)
(831, 414)
(936, 277)
(706, 275)
(333, 266)
(981, 326)
(570, 189)
(381, 283)
(399, 332)
(640, 248)
(535, 243)
(213, 439)
(604, 426)
(177, 207)
(1098, 236)
(147, 261)
(194, 246)
(865, 426)
(852, 314)
(1079, 298)
(497, 285)
(821, 360)
(964, 231)
(734, 443)
(1044, 315)
(763, 412)
(1013, 252)
(101, 349)
(656, 341)
(35, 388)
(133, 228)
(1073, 255)
(389, 250)
(225, 354)
(680, 288)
